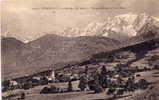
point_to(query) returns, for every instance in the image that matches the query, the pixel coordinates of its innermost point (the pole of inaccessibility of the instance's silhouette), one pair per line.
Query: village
(118, 81)
(117, 74)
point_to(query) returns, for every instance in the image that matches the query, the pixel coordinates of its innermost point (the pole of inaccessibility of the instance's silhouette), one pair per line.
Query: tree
(143, 84)
(97, 88)
(103, 77)
(104, 71)
(86, 70)
(22, 95)
(83, 83)
(69, 88)
(130, 84)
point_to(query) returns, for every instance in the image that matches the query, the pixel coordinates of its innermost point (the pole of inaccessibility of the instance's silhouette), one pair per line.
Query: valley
(114, 60)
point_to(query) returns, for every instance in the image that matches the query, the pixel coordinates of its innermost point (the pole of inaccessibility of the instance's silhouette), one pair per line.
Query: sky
(29, 19)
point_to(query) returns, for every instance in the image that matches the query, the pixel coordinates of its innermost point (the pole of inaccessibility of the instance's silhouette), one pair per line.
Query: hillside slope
(51, 51)
(144, 54)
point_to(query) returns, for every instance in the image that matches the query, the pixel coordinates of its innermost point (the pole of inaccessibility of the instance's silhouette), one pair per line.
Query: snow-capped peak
(130, 17)
(122, 25)
(156, 18)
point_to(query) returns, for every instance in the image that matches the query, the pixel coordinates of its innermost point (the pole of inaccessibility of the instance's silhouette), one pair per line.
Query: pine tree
(97, 88)
(86, 70)
(70, 88)
(104, 71)
(103, 77)
(83, 83)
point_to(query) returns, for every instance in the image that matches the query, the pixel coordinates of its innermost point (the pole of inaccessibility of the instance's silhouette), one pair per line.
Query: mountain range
(119, 27)
(53, 51)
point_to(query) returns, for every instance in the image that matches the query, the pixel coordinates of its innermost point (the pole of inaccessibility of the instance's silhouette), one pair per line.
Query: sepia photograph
(79, 49)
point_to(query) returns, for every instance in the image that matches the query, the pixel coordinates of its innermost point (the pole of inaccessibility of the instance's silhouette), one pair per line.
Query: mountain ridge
(124, 26)
(51, 51)
(54, 51)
